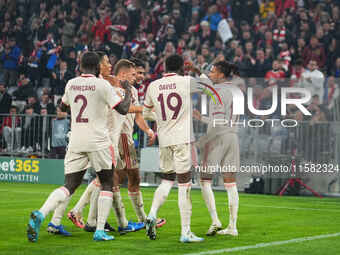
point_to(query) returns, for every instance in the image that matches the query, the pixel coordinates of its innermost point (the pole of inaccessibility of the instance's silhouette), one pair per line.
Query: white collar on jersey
(84, 75)
(169, 74)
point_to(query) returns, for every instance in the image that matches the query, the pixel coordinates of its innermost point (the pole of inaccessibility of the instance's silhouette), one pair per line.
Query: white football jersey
(90, 98)
(130, 117)
(171, 98)
(115, 121)
(221, 116)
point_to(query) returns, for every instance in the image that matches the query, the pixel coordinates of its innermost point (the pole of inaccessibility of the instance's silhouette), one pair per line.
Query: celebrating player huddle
(104, 109)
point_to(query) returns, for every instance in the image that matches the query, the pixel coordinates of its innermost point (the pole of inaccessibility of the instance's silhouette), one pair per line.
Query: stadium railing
(28, 135)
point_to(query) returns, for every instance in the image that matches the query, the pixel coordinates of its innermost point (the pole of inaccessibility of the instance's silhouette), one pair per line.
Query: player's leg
(75, 215)
(122, 163)
(59, 197)
(101, 161)
(232, 161)
(207, 192)
(135, 194)
(91, 222)
(233, 204)
(133, 181)
(117, 204)
(55, 227)
(209, 199)
(182, 161)
(168, 177)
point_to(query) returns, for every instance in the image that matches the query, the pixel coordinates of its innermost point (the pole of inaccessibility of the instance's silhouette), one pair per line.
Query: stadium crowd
(272, 41)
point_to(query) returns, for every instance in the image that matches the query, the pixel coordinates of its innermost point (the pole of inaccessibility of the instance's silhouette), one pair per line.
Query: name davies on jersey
(167, 86)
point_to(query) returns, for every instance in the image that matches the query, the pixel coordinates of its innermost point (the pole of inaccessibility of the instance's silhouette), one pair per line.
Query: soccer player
(220, 147)
(171, 99)
(124, 71)
(128, 163)
(88, 98)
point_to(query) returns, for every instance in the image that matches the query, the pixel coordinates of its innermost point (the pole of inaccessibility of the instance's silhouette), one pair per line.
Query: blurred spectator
(46, 104)
(29, 130)
(43, 132)
(284, 55)
(59, 78)
(25, 88)
(262, 65)
(60, 128)
(33, 65)
(284, 5)
(266, 7)
(336, 69)
(10, 61)
(333, 91)
(5, 99)
(101, 28)
(314, 51)
(33, 102)
(11, 127)
(71, 61)
(313, 80)
(296, 73)
(115, 45)
(68, 33)
(273, 76)
(213, 17)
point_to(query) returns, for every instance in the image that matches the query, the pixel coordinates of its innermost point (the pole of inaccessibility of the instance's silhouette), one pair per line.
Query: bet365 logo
(20, 165)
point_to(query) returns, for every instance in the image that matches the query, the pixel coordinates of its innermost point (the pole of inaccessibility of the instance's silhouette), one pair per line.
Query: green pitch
(262, 219)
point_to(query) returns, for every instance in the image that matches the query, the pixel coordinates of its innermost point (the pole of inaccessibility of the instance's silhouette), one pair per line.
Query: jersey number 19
(175, 108)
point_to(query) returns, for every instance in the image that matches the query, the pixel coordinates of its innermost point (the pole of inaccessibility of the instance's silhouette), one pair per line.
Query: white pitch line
(263, 245)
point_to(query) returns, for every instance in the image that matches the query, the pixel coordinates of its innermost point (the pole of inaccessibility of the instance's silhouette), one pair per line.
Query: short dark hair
(101, 55)
(123, 63)
(89, 61)
(226, 68)
(28, 107)
(174, 63)
(13, 107)
(138, 62)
